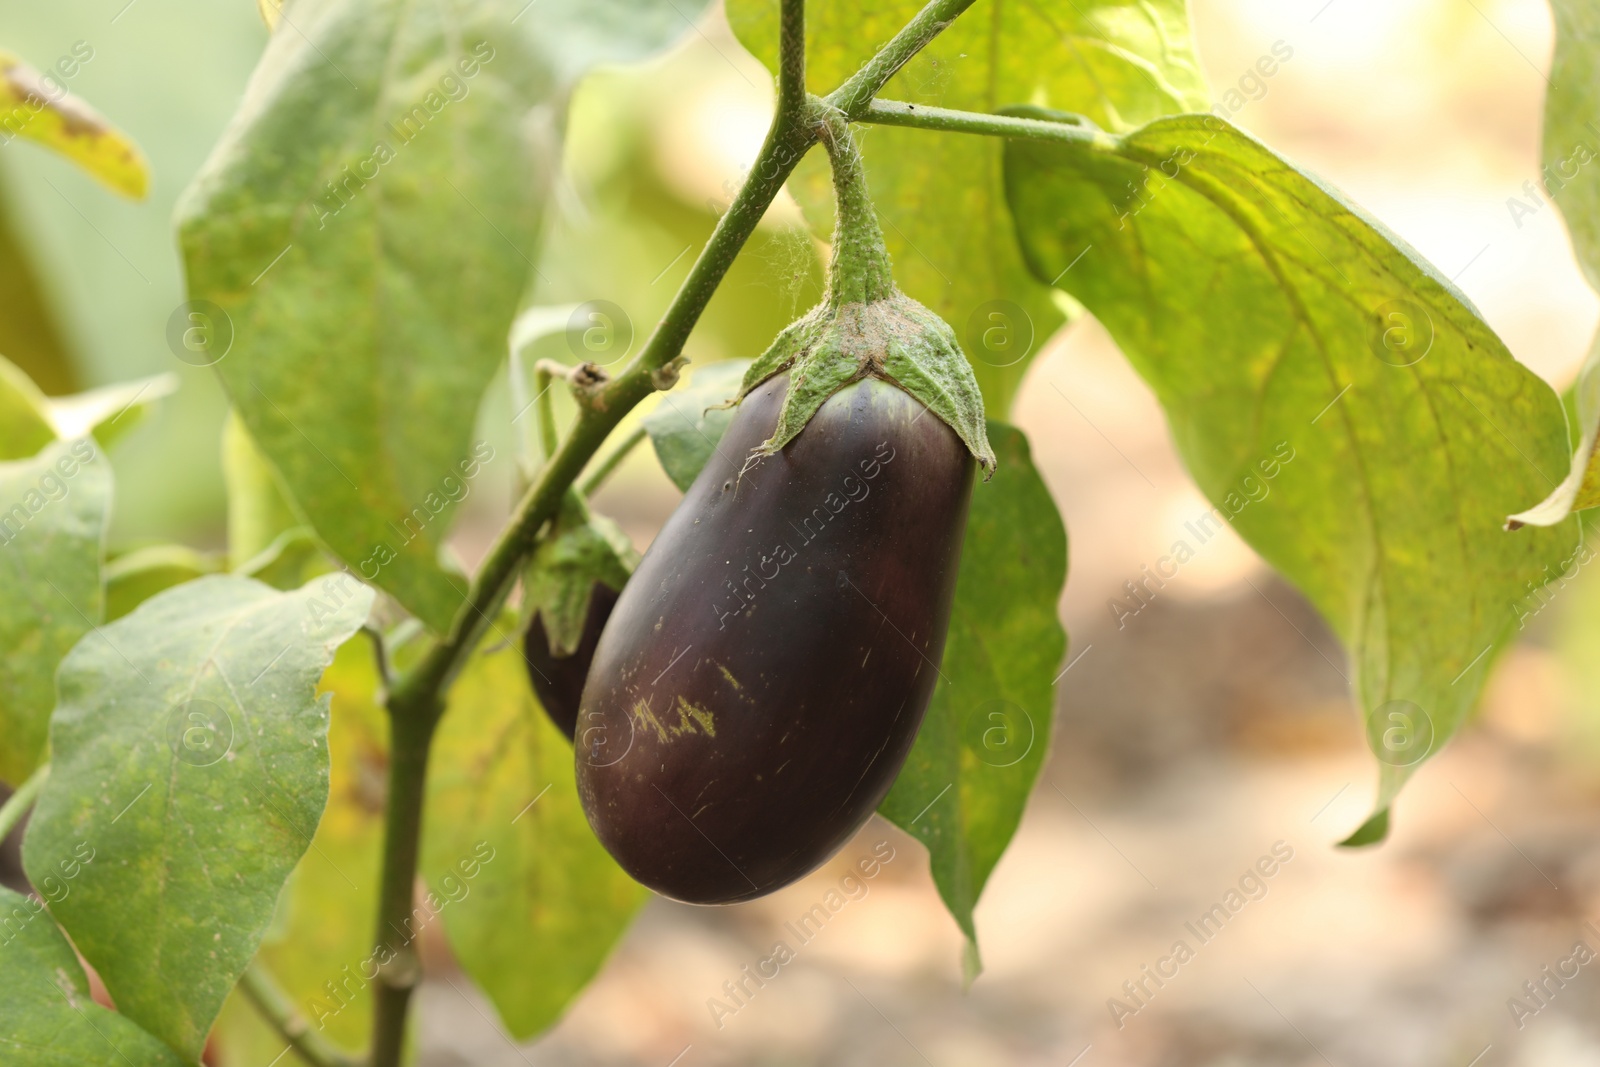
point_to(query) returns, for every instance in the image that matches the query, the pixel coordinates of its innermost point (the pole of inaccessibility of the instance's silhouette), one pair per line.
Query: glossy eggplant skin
(765, 671)
(558, 680)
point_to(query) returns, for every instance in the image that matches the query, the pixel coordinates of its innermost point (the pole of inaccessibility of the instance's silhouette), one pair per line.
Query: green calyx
(583, 548)
(866, 327)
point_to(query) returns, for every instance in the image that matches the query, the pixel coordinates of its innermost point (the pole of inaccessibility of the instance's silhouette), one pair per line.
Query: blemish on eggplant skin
(692, 714)
(729, 676)
(692, 718)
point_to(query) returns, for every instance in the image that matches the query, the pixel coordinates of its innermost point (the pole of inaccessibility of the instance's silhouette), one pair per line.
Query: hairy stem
(17, 805)
(860, 270)
(415, 701)
(608, 466)
(1073, 129)
(279, 1011)
(792, 60)
(855, 95)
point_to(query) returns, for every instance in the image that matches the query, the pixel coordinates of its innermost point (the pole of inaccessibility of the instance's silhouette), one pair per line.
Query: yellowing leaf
(38, 107)
(509, 855)
(1570, 143)
(1337, 399)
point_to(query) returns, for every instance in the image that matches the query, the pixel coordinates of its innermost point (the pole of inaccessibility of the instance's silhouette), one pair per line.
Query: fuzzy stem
(1069, 129)
(859, 272)
(855, 95)
(792, 60)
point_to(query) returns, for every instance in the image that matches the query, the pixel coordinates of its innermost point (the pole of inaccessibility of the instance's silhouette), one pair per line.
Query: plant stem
(597, 478)
(859, 272)
(380, 655)
(399, 969)
(792, 60)
(17, 805)
(895, 113)
(854, 96)
(279, 1011)
(415, 701)
(544, 381)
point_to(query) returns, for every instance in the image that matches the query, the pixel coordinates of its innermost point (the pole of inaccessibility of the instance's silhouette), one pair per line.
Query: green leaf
(45, 112)
(418, 324)
(53, 514)
(360, 341)
(509, 855)
(687, 422)
(29, 420)
(1572, 142)
(1337, 399)
(941, 197)
(24, 414)
(328, 911)
(188, 743)
(987, 730)
(581, 549)
(47, 1018)
(111, 410)
(134, 577)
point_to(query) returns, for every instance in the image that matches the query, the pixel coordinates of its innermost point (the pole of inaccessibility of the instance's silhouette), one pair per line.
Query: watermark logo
(599, 332)
(1001, 733)
(600, 744)
(738, 992)
(1402, 332)
(999, 332)
(1400, 733)
(199, 732)
(199, 332)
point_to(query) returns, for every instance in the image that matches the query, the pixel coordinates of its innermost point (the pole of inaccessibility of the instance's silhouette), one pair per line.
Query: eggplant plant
(256, 781)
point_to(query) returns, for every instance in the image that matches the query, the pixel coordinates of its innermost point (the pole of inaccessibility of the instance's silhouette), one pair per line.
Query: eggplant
(558, 679)
(764, 672)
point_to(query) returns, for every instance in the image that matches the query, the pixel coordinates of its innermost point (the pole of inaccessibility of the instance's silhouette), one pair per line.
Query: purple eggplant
(763, 674)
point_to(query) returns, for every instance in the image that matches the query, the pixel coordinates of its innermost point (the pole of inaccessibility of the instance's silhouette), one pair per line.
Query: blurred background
(1209, 728)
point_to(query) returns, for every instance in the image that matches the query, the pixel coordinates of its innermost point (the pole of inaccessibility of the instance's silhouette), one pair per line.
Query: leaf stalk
(275, 1006)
